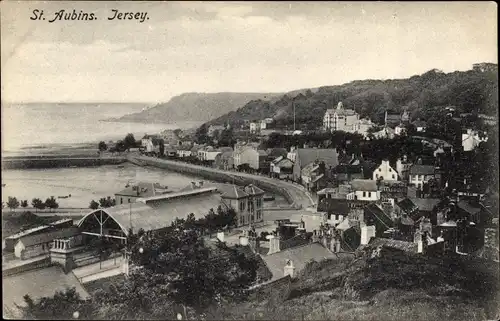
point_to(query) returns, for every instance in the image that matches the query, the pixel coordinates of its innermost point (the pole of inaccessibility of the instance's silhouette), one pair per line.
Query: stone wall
(213, 175)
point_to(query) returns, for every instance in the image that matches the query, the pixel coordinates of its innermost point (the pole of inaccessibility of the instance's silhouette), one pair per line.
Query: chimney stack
(289, 269)
(193, 184)
(201, 184)
(274, 245)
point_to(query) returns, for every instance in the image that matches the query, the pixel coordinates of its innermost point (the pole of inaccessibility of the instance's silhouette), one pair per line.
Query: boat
(121, 166)
(67, 196)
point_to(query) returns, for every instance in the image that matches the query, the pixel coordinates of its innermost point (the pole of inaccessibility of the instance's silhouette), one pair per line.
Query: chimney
(274, 245)
(201, 184)
(243, 240)
(367, 232)
(193, 184)
(220, 236)
(289, 269)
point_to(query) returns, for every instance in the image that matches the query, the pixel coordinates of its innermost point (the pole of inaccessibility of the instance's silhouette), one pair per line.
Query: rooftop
(49, 236)
(308, 155)
(28, 232)
(426, 204)
(422, 170)
(156, 215)
(364, 185)
(299, 256)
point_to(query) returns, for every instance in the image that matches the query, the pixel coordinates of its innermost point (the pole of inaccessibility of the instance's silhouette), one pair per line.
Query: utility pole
(293, 104)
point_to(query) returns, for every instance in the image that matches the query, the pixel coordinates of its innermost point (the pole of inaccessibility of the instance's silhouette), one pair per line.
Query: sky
(232, 46)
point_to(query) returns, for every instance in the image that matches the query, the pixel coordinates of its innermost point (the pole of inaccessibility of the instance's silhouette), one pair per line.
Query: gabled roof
(285, 163)
(308, 155)
(48, 236)
(468, 207)
(235, 192)
(422, 170)
(426, 204)
(299, 256)
(367, 185)
(341, 112)
(277, 152)
(253, 190)
(379, 214)
(30, 231)
(334, 206)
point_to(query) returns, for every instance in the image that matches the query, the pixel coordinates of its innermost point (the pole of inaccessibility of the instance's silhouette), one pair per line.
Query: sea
(45, 124)
(84, 183)
(25, 126)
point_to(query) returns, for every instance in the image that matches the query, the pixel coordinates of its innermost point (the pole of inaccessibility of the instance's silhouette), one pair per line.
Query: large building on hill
(341, 119)
(347, 120)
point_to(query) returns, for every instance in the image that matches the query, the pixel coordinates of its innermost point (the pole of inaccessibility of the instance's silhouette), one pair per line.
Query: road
(297, 192)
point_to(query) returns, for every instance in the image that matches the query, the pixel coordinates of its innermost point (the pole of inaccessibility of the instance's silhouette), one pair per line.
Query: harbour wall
(215, 175)
(59, 161)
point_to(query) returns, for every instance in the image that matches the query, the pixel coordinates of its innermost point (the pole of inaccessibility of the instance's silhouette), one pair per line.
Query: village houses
(385, 172)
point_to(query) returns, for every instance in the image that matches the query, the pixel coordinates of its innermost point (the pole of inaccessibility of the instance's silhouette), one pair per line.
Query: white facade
(254, 127)
(341, 119)
(263, 124)
(183, 153)
(364, 195)
(386, 172)
(418, 180)
(399, 130)
(471, 140)
(246, 155)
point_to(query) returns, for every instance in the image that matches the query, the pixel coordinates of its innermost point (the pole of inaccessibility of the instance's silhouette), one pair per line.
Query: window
(376, 176)
(121, 200)
(369, 194)
(393, 177)
(390, 169)
(129, 200)
(364, 194)
(379, 169)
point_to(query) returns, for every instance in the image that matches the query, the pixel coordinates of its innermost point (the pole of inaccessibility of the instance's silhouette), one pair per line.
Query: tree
(102, 146)
(93, 205)
(194, 274)
(51, 203)
(61, 306)
(12, 203)
(120, 146)
(129, 141)
(107, 202)
(24, 203)
(38, 204)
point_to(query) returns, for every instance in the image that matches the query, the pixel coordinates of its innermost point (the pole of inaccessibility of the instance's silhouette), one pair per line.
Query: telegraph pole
(293, 104)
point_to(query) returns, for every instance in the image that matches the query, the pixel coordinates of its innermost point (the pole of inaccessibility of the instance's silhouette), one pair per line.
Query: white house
(421, 174)
(341, 119)
(471, 139)
(254, 127)
(386, 132)
(183, 152)
(385, 172)
(420, 125)
(400, 130)
(403, 167)
(364, 190)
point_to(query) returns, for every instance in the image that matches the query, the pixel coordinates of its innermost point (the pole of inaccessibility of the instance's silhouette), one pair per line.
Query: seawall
(58, 161)
(267, 184)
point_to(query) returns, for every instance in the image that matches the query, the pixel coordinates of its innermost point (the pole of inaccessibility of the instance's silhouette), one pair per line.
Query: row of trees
(180, 274)
(13, 203)
(121, 145)
(103, 203)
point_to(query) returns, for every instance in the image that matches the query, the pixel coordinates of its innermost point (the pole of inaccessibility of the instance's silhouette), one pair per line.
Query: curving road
(296, 191)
